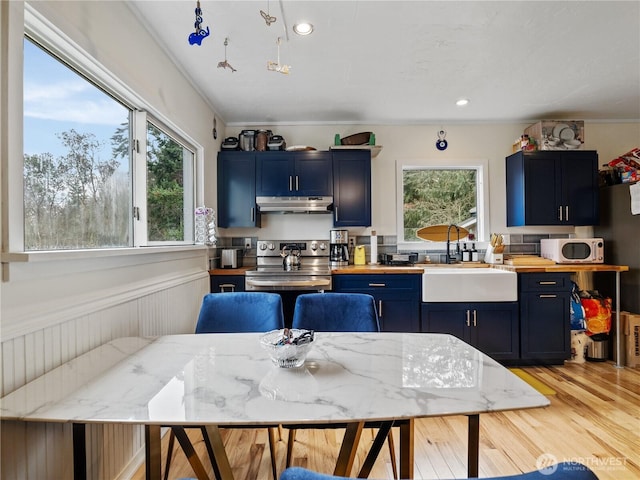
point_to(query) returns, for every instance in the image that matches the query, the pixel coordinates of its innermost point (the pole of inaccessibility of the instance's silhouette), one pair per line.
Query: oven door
(287, 283)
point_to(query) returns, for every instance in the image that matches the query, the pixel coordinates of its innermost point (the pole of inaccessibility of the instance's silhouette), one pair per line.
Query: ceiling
(407, 62)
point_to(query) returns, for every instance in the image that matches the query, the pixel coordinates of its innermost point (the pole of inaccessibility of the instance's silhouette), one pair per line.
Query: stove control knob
(323, 246)
(262, 246)
(314, 246)
(271, 246)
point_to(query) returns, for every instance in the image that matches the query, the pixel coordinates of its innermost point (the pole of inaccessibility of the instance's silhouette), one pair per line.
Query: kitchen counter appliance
(398, 258)
(231, 258)
(339, 248)
(573, 250)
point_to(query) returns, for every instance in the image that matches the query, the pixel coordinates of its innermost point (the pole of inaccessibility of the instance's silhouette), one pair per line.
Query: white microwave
(573, 250)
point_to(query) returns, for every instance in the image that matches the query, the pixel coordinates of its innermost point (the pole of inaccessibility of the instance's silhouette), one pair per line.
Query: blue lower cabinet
(492, 328)
(397, 297)
(545, 317)
(227, 283)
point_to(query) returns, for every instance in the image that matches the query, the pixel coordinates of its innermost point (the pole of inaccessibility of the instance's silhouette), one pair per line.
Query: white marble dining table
(222, 380)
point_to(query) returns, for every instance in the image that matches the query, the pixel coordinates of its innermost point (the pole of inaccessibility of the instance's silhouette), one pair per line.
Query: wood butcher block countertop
(564, 268)
(230, 271)
(419, 268)
(364, 269)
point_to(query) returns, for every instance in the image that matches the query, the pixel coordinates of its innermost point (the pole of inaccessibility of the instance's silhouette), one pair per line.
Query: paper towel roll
(373, 249)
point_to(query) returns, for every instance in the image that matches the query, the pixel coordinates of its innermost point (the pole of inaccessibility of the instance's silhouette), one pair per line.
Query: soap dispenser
(474, 253)
(466, 253)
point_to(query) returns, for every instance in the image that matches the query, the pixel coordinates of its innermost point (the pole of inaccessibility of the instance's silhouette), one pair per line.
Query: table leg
(406, 449)
(222, 461)
(348, 449)
(618, 332)
(153, 452)
(374, 451)
(79, 451)
(190, 452)
(473, 447)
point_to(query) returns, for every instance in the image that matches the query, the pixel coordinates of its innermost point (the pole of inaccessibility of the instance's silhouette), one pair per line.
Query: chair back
(336, 312)
(559, 471)
(236, 312)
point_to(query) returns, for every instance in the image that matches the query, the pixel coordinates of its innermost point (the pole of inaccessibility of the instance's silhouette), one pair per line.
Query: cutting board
(527, 260)
(438, 233)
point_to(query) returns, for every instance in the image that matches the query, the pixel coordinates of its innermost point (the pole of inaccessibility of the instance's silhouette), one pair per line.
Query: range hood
(294, 204)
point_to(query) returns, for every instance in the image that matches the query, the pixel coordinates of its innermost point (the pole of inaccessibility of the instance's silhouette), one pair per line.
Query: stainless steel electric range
(309, 272)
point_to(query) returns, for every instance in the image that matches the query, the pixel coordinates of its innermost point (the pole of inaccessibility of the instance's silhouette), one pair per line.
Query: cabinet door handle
(230, 286)
(297, 183)
(377, 284)
(290, 182)
(380, 308)
(335, 211)
(547, 282)
(548, 295)
(475, 313)
(253, 214)
(468, 318)
(560, 212)
(566, 213)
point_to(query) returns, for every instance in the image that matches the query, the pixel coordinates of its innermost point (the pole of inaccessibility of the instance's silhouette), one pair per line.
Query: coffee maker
(339, 248)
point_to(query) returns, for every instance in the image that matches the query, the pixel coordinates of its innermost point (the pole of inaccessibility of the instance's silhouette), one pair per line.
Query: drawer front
(227, 283)
(367, 282)
(544, 282)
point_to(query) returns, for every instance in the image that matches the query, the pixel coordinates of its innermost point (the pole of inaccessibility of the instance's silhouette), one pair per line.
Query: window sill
(58, 255)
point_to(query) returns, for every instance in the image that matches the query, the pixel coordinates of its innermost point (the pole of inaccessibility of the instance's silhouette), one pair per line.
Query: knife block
(492, 257)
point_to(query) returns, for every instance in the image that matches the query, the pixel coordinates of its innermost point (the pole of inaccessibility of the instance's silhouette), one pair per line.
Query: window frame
(482, 202)
(42, 32)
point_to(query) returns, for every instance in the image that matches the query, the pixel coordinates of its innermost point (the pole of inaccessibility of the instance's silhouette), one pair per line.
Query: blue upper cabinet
(351, 188)
(293, 174)
(237, 190)
(552, 188)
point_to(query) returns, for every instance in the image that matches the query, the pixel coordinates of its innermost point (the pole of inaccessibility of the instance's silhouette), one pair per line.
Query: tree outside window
(437, 196)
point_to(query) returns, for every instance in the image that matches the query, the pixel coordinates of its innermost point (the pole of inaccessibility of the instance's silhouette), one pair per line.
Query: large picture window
(77, 181)
(81, 157)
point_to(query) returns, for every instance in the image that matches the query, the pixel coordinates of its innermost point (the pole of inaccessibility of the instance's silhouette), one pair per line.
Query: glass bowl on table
(289, 347)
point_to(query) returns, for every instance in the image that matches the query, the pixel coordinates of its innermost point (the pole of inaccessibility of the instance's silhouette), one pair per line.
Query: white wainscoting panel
(32, 451)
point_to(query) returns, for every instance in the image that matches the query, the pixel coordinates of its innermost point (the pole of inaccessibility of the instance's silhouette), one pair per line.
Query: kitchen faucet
(449, 257)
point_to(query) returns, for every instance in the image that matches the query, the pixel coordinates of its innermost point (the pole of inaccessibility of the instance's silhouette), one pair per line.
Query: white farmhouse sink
(469, 285)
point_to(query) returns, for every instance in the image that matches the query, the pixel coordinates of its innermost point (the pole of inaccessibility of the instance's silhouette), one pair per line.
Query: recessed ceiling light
(303, 28)
(462, 102)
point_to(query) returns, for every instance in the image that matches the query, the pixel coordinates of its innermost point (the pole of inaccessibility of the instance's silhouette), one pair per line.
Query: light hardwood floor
(594, 418)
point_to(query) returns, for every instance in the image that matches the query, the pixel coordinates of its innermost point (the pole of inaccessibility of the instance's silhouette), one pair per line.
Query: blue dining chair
(240, 312)
(560, 471)
(336, 312)
(237, 312)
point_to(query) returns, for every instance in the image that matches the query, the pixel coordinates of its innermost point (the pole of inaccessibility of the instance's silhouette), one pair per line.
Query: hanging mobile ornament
(442, 144)
(267, 18)
(226, 64)
(195, 38)
(275, 66)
